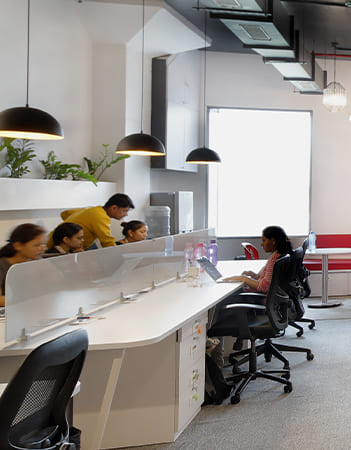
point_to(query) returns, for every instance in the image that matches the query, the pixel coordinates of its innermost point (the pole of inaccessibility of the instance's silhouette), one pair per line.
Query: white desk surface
(149, 319)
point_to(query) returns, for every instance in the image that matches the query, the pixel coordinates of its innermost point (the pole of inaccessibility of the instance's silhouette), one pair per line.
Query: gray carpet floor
(315, 415)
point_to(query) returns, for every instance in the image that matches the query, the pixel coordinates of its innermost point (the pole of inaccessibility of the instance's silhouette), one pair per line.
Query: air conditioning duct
(301, 70)
(268, 29)
(258, 23)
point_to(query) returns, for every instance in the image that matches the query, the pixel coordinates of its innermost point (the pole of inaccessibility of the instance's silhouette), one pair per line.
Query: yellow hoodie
(95, 222)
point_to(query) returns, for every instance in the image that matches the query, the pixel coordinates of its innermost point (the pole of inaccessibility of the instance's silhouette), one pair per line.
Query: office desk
(146, 335)
(326, 252)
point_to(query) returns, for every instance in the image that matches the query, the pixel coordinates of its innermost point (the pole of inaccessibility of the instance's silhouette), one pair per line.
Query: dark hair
(282, 242)
(120, 200)
(23, 233)
(66, 229)
(132, 225)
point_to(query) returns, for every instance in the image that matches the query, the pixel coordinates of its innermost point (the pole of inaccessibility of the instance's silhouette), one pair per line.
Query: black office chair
(34, 403)
(291, 285)
(302, 274)
(254, 321)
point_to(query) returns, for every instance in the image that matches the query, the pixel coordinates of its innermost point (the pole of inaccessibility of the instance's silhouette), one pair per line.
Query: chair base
(294, 324)
(268, 349)
(250, 375)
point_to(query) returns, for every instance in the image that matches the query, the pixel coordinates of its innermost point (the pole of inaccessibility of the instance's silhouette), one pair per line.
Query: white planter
(26, 193)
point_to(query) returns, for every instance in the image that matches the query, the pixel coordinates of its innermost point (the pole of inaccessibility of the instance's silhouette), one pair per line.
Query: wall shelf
(29, 194)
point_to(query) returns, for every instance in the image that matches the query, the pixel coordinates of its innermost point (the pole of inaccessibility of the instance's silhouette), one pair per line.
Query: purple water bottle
(212, 252)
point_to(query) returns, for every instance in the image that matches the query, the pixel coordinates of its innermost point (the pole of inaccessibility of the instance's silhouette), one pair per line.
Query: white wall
(84, 70)
(244, 81)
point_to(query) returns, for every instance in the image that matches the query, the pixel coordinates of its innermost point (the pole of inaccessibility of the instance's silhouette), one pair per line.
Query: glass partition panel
(46, 292)
(40, 293)
(168, 262)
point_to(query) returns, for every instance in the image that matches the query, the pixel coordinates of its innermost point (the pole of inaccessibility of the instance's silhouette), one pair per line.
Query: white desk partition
(53, 291)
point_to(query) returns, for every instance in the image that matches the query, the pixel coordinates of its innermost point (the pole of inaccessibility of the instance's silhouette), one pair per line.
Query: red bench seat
(334, 263)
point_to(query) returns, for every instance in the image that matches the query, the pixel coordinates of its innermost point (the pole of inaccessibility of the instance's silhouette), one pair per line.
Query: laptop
(214, 273)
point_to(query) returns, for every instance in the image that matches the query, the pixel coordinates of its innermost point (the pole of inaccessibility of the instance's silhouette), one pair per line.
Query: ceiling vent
(232, 4)
(301, 69)
(269, 31)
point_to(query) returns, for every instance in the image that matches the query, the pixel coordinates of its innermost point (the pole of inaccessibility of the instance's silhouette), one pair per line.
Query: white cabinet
(159, 391)
(191, 371)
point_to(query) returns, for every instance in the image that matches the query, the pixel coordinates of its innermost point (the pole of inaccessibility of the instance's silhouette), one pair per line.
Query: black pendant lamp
(141, 143)
(26, 122)
(204, 155)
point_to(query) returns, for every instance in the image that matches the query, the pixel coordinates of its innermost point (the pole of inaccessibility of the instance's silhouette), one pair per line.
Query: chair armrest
(245, 305)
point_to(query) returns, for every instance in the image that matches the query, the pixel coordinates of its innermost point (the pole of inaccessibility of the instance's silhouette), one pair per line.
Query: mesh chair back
(277, 299)
(251, 251)
(33, 405)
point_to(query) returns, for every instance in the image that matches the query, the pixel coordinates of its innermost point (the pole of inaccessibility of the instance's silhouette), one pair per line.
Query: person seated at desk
(134, 231)
(96, 220)
(26, 242)
(68, 238)
(274, 241)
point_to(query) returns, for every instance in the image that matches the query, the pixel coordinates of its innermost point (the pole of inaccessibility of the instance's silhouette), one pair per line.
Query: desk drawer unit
(191, 379)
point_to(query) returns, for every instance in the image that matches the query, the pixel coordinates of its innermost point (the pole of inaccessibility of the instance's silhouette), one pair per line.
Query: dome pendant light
(26, 122)
(204, 155)
(141, 143)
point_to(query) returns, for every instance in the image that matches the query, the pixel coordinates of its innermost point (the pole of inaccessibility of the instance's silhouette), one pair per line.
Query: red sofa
(334, 263)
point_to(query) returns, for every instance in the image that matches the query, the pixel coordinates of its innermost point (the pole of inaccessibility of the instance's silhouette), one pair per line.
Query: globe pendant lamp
(26, 122)
(141, 143)
(334, 95)
(203, 155)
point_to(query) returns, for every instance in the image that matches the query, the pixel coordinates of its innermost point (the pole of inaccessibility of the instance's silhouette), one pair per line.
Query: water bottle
(188, 256)
(169, 246)
(212, 252)
(312, 241)
(198, 252)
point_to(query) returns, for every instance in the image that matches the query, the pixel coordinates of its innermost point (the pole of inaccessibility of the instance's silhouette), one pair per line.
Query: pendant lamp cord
(142, 70)
(205, 66)
(28, 19)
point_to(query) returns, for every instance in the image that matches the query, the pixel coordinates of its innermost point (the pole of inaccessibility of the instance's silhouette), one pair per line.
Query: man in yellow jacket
(96, 220)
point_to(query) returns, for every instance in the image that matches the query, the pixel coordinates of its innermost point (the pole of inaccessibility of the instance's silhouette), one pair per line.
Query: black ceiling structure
(292, 35)
(320, 22)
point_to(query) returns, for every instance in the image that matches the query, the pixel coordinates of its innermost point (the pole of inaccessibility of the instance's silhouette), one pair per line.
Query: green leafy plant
(57, 170)
(106, 160)
(19, 152)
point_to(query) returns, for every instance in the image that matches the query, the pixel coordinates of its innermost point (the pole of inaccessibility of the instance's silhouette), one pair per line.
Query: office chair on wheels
(256, 321)
(291, 285)
(302, 275)
(33, 407)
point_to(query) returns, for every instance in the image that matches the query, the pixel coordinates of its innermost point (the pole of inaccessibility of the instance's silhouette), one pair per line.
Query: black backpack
(216, 387)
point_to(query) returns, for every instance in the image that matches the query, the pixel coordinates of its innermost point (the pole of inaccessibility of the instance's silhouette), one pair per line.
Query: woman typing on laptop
(274, 241)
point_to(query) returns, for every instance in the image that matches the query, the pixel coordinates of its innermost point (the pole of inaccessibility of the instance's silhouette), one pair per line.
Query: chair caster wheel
(311, 326)
(288, 388)
(309, 356)
(235, 399)
(286, 376)
(299, 333)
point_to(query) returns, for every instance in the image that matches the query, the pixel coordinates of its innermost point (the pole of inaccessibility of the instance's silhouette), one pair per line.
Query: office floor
(315, 415)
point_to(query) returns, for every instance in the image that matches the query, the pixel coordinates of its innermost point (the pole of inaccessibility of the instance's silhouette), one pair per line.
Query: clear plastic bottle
(212, 252)
(198, 252)
(188, 256)
(312, 241)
